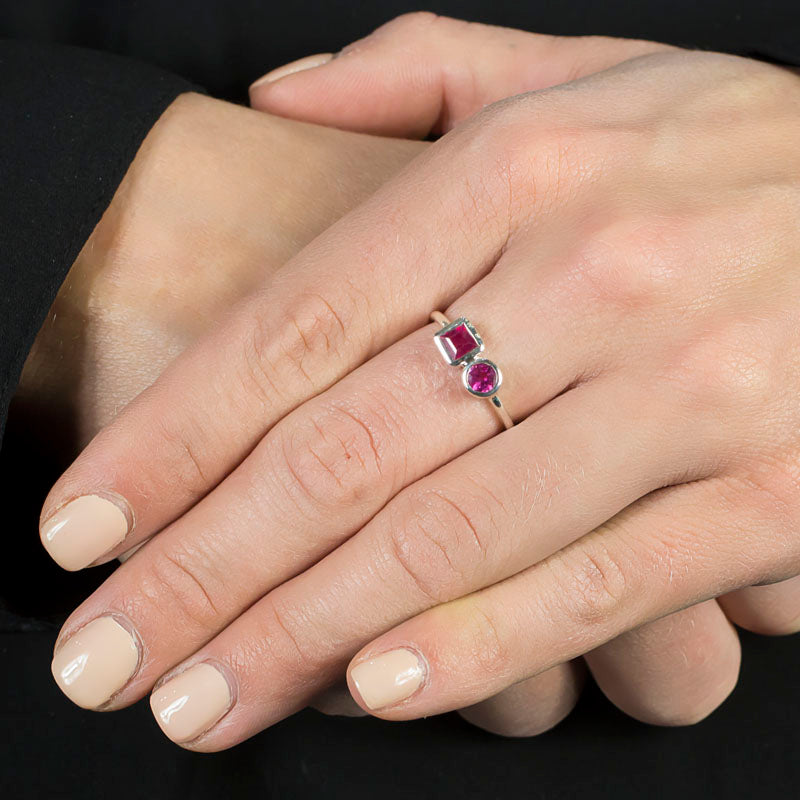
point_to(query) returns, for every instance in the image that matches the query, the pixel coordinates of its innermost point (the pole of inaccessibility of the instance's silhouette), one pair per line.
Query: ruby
(482, 377)
(458, 342)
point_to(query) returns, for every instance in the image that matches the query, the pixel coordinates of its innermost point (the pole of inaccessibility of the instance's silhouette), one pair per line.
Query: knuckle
(437, 541)
(634, 264)
(777, 626)
(413, 22)
(688, 707)
(592, 582)
(779, 622)
(734, 367)
(787, 626)
(295, 349)
(771, 492)
(187, 468)
(182, 583)
(535, 168)
(335, 458)
(523, 721)
(705, 670)
(490, 652)
(288, 643)
(514, 727)
(402, 30)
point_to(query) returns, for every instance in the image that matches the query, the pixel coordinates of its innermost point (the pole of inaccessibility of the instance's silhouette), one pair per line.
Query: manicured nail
(309, 62)
(84, 530)
(190, 703)
(95, 662)
(389, 678)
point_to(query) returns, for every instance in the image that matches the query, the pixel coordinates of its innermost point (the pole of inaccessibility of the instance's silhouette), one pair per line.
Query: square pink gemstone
(458, 342)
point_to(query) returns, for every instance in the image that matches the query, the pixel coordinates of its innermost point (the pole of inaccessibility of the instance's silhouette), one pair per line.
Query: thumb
(422, 74)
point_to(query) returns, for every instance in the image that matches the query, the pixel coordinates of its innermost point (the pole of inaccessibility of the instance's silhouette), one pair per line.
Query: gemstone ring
(460, 346)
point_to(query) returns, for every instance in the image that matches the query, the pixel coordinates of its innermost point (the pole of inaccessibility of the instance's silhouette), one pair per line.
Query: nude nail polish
(191, 702)
(309, 62)
(388, 678)
(96, 662)
(83, 530)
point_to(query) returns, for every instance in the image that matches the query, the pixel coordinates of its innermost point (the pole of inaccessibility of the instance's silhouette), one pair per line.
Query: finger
(532, 706)
(313, 324)
(673, 671)
(772, 610)
(421, 73)
(672, 549)
(499, 507)
(324, 470)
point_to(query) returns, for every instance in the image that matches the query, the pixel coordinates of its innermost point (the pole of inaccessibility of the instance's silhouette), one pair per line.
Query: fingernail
(388, 678)
(190, 703)
(96, 662)
(309, 62)
(83, 530)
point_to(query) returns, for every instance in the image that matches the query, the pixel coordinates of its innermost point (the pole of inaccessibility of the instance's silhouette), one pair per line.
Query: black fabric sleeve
(72, 121)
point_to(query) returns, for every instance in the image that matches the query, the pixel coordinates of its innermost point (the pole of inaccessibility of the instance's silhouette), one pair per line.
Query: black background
(748, 748)
(224, 44)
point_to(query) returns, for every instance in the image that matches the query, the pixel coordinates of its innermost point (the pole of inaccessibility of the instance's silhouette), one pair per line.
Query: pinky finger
(668, 551)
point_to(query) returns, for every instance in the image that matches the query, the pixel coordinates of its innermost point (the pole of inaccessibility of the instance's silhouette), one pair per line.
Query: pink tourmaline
(458, 342)
(482, 377)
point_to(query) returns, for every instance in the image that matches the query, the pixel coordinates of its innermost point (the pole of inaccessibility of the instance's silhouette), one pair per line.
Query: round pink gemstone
(482, 377)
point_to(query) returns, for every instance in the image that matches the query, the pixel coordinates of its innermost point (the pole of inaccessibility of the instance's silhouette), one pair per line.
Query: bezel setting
(441, 337)
(497, 372)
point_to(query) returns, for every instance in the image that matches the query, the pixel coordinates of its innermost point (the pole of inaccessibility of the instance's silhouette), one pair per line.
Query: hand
(423, 74)
(635, 282)
(216, 200)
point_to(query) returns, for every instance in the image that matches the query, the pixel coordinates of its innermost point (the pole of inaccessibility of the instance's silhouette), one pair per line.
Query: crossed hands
(317, 495)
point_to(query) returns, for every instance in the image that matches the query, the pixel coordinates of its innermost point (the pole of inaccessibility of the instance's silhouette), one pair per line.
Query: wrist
(217, 199)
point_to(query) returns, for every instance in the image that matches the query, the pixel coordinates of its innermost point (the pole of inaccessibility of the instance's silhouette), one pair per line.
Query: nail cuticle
(130, 516)
(106, 494)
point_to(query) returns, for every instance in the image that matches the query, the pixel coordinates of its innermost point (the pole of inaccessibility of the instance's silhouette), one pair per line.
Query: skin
(217, 199)
(628, 253)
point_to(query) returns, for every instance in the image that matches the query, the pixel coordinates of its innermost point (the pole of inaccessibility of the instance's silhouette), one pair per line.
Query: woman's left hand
(627, 245)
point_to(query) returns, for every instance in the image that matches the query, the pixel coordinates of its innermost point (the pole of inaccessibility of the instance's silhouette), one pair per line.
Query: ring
(460, 344)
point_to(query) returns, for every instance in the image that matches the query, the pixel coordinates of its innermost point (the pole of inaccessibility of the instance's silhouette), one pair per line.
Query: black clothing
(72, 119)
